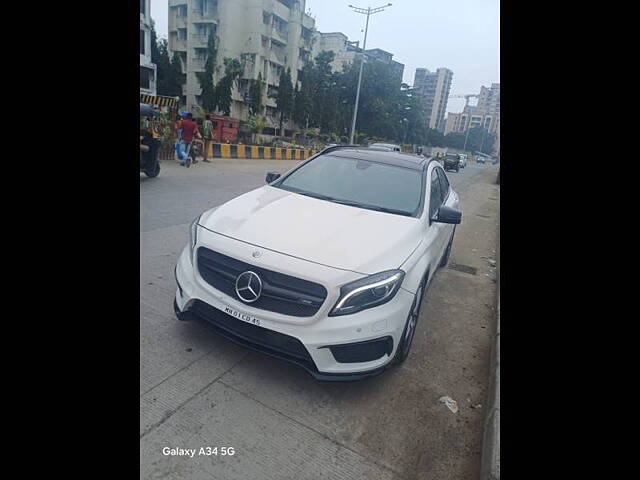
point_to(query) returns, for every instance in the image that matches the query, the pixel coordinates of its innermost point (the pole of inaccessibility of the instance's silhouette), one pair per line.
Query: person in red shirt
(189, 130)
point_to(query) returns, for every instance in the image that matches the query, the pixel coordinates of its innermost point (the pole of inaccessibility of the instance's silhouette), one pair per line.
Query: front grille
(280, 293)
(362, 351)
(258, 338)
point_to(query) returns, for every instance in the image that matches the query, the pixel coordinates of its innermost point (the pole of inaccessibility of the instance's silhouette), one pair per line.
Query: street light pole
(464, 149)
(368, 12)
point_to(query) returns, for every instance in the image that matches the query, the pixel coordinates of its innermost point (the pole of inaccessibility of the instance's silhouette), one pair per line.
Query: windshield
(359, 183)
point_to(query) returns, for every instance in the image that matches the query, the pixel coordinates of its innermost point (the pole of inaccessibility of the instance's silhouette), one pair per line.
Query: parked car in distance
(386, 146)
(329, 264)
(480, 159)
(451, 162)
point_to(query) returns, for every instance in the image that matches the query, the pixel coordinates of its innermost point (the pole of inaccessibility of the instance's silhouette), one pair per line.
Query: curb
(490, 466)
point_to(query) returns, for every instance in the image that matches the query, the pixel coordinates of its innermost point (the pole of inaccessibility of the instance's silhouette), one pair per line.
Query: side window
(435, 197)
(444, 183)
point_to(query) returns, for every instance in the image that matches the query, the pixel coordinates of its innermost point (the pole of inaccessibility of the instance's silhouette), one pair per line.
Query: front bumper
(268, 349)
(316, 335)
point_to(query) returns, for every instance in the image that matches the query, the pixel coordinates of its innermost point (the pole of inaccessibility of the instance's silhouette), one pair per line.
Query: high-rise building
(486, 113)
(147, 67)
(266, 36)
(434, 88)
(489, 98)
(472, 116)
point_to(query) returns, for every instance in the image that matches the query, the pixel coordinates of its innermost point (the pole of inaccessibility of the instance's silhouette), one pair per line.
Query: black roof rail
(338, 147)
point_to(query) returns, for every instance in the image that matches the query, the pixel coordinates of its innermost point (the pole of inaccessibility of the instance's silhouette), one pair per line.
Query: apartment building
(489, 98)
(266, 36)
(434, 87)
(486, 113)
(346, 51)
(386, 57)
(471, 117)
(337, 42)
(147, 67)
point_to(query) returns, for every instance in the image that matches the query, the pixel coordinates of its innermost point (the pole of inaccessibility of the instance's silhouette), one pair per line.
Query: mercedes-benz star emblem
(256, 254)
(248, 286)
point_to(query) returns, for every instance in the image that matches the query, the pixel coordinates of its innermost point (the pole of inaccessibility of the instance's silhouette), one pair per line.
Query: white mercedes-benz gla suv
(326, 265)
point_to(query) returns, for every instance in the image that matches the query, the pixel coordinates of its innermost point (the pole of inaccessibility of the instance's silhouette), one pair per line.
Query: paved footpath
(200, 390)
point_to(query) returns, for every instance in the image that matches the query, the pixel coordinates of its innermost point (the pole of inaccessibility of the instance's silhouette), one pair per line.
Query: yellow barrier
(225, 150)
(230, 151)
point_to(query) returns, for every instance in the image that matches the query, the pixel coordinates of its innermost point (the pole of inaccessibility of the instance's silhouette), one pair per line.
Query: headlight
(193, 237)
(368, 292)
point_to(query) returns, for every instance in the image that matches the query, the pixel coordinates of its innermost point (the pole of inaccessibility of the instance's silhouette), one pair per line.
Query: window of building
(266, 18)
(146, 76)
(142, 50)
(142, 6)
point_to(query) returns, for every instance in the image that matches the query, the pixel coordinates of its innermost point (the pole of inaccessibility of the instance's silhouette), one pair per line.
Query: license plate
(244, 317)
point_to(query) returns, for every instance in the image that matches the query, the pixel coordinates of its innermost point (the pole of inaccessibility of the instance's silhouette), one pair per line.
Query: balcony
(200, 39)
(178, 22)
(205, 16)
(278, 57)
(179, 45)
(196, 64)
(282, 35)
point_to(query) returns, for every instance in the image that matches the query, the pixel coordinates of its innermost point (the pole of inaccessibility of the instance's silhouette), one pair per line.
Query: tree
(205, 79)
(284, 99)
(303, 98)
(255, 92)
(232, 72)
(477, 139)
(168, 75)
(256, 123)
(174, 77)
(455, 140)
(435, 138)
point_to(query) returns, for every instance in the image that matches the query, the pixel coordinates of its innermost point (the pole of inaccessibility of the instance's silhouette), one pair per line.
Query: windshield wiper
(352, 203)
(387, 210)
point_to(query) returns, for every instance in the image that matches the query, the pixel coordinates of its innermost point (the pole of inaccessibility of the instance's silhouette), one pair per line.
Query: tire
(404, 347)
(153, 172)
(447, 252)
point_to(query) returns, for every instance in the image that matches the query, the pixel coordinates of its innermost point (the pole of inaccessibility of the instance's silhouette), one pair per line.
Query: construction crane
(466, 97)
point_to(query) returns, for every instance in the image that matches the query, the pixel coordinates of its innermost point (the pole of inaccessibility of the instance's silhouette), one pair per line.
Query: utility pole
(464, 149)
(368, 12)
(483, 132)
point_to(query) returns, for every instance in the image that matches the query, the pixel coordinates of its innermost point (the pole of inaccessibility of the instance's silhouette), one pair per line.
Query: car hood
(339, 236)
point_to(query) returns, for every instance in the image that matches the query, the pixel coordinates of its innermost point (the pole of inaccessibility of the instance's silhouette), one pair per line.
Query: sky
(462, 35)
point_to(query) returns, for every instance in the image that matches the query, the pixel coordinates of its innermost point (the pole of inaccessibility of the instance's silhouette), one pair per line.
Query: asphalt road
(200, 390)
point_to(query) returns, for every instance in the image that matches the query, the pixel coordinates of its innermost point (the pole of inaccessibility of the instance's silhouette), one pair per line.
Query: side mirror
(448, 215)
(271, 176)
